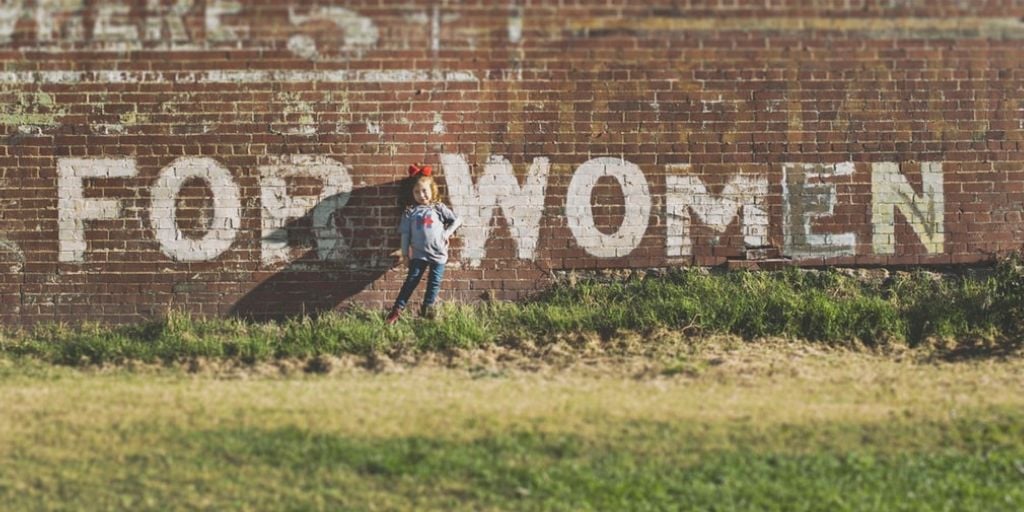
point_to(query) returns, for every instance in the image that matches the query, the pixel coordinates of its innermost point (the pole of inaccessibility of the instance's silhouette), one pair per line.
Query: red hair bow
(420, 170)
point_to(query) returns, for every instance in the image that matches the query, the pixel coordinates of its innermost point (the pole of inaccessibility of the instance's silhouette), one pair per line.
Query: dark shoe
(428, 312)
(393, 315)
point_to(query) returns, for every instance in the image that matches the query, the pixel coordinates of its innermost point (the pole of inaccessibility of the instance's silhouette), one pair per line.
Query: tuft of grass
(1007, 305)
(457, 327)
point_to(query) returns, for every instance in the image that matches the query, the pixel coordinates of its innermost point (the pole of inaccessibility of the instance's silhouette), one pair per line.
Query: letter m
(687, 193)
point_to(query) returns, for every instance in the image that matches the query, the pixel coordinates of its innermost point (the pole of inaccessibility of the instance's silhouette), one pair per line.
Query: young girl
(426, 226)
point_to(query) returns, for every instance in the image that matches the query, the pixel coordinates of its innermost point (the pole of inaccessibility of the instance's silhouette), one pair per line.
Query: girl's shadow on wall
(334, 264)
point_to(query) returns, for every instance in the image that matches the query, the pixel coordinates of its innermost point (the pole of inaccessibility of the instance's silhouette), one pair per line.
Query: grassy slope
(829, 307)
(783, 427)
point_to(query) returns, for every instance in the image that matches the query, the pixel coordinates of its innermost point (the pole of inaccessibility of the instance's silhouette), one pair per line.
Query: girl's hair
(405, 195)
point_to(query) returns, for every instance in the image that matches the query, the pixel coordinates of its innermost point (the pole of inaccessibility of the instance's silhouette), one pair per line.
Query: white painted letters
(360, 32)
(73, 209)
(279, 207)
(60, 21)
(171, 19)
(216, 30)
(10, 13)
(113, 24)
(579, 212)
(807, 194)
(925, 213)
(687, 193)
(226, 209)
(497, 187)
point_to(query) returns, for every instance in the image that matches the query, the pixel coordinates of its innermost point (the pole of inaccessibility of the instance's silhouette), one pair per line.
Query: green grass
(294, 469)
(783, 426)
(772, 425)
(827, 306)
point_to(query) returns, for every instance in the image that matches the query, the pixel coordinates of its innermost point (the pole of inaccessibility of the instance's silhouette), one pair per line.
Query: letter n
(925, 213)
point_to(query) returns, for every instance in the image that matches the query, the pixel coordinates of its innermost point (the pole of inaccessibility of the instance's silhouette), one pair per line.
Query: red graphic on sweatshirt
(426, 222)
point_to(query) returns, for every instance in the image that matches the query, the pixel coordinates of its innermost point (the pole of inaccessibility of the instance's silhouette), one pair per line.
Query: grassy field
(719, 425)
(670, 390)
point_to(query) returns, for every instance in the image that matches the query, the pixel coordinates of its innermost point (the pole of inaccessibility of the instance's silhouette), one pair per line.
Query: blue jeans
(416, 269)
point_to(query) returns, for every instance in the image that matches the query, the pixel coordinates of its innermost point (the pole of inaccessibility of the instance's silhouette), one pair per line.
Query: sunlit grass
(770, 426)
(824, 306)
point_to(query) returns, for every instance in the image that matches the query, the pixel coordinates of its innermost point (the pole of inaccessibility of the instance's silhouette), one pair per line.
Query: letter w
(497, 187)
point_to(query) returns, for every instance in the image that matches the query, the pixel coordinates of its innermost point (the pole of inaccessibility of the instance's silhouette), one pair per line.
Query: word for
(809, 195)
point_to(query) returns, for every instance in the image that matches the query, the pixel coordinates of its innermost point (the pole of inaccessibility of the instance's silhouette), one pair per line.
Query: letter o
(226, 209)
(580, 216)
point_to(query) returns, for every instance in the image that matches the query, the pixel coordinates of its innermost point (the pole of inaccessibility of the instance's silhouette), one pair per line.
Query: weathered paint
(59, 21)
(579, 211)
(10, 13)
(12, 258)
(279, 207)
(923, 27)
(73, 208)
(113, 24)
(359, 31)
(223, 228)
(217, 30)
(297, 116)
(113, 27)
(925, 212)
(439, 126)
(435, 29)
(515, 25)
(686, 193)
(498, 187)
(809, 193)
(236, 76)
(32, 112)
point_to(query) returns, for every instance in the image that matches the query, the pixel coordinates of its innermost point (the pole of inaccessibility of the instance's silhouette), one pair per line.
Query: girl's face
(421, 193)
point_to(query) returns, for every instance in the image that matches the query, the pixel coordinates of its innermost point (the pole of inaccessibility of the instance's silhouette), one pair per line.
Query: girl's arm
(451, 220)
(452, 227)
(403, 229)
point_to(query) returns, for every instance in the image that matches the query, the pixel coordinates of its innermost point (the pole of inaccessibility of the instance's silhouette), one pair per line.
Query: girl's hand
(400, 258)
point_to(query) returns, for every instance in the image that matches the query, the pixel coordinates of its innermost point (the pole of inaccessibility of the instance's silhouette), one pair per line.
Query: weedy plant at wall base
(982, 307)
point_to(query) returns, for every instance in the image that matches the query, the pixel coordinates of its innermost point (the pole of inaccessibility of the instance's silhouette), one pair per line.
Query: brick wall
(243, 156)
